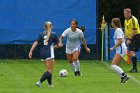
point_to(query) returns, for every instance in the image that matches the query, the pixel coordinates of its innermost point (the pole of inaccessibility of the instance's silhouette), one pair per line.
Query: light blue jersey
(73, 38)
(122, 48)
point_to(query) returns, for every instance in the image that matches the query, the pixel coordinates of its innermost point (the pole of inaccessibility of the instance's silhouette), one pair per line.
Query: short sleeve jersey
(119, 34)
(73, 38)
(131, 24)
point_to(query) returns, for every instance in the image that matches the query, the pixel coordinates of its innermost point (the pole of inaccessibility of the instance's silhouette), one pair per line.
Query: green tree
(114, 8)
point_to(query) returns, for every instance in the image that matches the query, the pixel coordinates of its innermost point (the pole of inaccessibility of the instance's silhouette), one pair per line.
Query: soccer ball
(63, 73)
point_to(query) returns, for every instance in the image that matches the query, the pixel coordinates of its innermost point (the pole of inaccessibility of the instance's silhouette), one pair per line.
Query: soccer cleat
(50, 85)
(124, 79)
(133, 70)
(38, 84)
(77, 73)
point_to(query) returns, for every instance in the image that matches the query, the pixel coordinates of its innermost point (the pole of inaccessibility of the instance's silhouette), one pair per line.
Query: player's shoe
(133, 70)
(38, 83)
(77, 73)
(50, 85)
(124, 79)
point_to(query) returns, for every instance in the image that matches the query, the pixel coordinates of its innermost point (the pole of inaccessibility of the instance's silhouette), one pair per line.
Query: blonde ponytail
(48, 25)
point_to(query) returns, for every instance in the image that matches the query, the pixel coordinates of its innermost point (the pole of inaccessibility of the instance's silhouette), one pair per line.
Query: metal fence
(21, 52)
(18, 51)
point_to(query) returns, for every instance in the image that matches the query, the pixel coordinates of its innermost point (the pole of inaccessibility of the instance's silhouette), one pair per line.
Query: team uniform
(73, 44)
(121, 50)
(129, 25)
(73, 40)
(47, 50)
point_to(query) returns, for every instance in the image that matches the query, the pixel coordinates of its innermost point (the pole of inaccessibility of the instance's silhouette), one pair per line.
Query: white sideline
(131, 77)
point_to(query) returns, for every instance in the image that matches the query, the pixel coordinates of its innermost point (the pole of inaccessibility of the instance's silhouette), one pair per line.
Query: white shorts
(70, 51)
(47, 59)
(122, 54)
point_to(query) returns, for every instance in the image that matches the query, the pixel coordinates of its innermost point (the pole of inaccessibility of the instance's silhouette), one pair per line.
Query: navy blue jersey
(47, 50)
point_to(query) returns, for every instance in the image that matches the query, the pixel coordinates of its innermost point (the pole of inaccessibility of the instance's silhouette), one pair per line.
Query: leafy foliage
(114, 8)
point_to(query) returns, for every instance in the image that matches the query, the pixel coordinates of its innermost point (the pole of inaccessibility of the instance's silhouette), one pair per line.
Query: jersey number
(45, 42)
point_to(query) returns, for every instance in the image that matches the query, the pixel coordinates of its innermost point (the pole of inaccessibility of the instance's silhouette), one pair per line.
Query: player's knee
(132, 53)
(75, 59)
(70, 61)
(50, 70)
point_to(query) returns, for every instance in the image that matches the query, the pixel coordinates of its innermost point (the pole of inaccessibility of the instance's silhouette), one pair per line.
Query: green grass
(20, 76)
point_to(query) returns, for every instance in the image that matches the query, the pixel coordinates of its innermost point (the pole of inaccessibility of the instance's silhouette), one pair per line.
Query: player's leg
(134, 47)
(49, 65)
(70, 60)
(76, 62)
(48, 74)
(115, 65)
(134, 62)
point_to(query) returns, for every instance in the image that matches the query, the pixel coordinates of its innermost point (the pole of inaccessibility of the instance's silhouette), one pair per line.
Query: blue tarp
(21, 21)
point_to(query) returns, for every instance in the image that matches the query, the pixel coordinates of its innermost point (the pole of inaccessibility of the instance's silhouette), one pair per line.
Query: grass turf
(20, 76)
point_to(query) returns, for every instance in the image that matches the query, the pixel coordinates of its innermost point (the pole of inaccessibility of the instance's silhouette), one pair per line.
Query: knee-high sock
(72, 66)
(134, 62)
(47, 75)
(118, 70)
(77, 65)
(49, 78)
(44, 77)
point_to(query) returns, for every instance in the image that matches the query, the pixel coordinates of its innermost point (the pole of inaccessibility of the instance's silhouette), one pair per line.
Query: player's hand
(30, 55)
(88, 50)
(60, 44)
(128, 42)
(112, 48)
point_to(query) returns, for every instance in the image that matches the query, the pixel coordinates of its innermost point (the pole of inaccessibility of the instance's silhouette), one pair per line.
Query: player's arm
(116, 45)
(60, 41)
(56, 41)
(32, 48)
(34, 45)
(64, 34)
(131, 36)
(134, 29)
(85, 44)
(133, 33)
(125, 28)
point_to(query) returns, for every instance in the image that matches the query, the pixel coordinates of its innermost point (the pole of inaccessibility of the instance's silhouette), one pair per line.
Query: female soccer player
(46, 40)
(120, 49)
(73, 46)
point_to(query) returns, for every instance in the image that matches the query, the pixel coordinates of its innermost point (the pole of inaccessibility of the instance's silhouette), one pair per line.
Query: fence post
(106, 43)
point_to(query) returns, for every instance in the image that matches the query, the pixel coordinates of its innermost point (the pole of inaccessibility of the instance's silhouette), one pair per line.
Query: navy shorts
(135, 43)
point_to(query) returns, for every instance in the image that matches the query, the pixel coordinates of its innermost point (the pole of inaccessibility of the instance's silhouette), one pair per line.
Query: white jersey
(122, 48)
(73, 38)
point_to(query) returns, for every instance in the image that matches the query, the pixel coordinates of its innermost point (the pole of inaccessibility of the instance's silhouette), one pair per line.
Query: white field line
(131, 77)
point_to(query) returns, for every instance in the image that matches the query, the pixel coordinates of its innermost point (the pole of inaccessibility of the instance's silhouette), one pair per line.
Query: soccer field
(20, 76)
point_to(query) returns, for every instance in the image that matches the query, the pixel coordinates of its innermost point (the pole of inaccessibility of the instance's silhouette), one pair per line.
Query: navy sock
(49, 77)
(44, 77)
